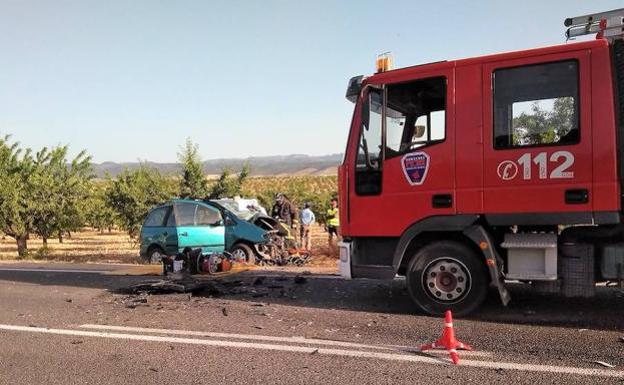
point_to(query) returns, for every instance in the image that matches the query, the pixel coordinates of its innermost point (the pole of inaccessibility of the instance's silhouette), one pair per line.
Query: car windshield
(233, 207)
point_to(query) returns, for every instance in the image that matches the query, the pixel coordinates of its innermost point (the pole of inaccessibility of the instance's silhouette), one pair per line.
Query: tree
(58, 191)
(229, 186)
(543, 124)
(193, 183)
(16, 168)
(134, 193)
(98, 214)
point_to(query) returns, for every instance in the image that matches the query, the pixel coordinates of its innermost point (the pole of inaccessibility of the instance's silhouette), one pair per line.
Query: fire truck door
(405, 167)
(537, 139)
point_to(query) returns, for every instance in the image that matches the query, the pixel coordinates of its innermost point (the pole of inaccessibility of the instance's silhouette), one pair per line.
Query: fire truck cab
(468, 173)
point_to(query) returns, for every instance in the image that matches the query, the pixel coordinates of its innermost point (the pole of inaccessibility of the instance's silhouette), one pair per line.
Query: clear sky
(130, 80)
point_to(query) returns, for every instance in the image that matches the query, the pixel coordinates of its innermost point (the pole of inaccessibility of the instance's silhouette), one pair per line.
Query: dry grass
(83, 246)
(90, 246)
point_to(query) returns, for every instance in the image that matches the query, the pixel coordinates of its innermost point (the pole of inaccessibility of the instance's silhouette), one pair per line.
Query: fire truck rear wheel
(447, 275)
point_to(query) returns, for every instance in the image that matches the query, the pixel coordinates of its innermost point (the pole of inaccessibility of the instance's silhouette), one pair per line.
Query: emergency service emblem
(415, 167)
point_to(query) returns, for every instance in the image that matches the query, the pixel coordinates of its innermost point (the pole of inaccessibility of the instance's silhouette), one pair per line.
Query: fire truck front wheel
(447, 275)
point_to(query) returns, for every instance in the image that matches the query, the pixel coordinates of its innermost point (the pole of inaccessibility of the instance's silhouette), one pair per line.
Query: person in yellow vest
(333, 222)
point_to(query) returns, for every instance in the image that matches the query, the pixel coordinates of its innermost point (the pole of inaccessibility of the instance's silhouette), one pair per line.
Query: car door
(170, 233)
(538, 142)
(199, 226)
(159, 229)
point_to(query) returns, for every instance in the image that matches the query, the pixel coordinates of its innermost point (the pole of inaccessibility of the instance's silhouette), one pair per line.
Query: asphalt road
(81, 327)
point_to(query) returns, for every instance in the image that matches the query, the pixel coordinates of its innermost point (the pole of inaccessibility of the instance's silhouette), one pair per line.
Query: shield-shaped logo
(415, 167)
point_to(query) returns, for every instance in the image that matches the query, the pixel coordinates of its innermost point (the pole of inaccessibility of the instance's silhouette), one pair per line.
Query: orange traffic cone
(448, 340)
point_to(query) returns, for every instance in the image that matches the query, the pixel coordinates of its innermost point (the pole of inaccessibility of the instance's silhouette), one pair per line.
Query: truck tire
(241, 250)
(447, 275)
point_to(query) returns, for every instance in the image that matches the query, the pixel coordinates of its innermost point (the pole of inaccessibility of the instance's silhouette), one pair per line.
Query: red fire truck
(470, 173)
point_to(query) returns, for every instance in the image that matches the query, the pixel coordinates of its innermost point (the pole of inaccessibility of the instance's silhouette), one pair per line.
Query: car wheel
(242, 252)
(154, 255)
(447, 275)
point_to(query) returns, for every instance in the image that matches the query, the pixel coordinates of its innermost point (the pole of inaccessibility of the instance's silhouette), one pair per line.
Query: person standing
(284, 211)
(333, 222)
(307, 219)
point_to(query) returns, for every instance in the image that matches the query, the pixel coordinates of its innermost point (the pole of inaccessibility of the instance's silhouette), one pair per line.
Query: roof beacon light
(384, 62)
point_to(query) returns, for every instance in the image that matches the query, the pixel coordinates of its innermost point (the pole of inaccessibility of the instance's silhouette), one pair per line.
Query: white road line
(323, 351)
(255, 337)
(54, 270)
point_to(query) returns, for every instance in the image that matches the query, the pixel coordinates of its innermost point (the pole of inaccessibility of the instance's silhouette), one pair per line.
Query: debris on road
(300, 280)
(605, 364)
(224, 311)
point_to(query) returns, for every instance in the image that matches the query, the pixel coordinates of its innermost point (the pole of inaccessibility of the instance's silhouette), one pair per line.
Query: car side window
(156, 217)
(206, 216)
(185, 214)
(171, 222)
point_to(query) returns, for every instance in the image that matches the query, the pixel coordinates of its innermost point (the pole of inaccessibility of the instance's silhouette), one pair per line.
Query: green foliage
(133, 193)
(15, 192)
(58, 191)
(228, 185)
(316, 190)
(541, 126)
(40, 194)
(193, 183)
(98, 214)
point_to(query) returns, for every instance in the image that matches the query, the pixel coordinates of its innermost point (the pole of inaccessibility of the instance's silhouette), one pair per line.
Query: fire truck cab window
(536, 105)
(368, 163)
(415, 115)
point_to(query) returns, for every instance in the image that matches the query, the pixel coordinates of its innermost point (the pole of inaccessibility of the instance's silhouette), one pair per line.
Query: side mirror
(354, 88)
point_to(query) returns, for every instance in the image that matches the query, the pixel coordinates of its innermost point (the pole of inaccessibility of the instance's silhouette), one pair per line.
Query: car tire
(155, 254)
(241, 250)
(447, 275)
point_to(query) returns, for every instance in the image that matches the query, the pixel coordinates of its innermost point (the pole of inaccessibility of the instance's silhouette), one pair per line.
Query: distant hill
(279, 165)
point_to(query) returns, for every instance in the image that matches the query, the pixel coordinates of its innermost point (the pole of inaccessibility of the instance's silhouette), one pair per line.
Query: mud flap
(480, 237)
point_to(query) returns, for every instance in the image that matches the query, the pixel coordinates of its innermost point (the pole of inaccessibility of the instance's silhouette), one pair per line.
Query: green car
(170, 228)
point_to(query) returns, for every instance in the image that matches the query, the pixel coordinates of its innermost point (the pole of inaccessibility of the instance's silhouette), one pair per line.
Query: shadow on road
(603, 312)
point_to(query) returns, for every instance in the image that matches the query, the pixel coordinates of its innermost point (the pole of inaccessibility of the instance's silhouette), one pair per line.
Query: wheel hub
(446, 280)
(156, 257)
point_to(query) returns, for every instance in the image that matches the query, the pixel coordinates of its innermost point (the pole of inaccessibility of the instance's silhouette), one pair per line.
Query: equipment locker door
(537, 147)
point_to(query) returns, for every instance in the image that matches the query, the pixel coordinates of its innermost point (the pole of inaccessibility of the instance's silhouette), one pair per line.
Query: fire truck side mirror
(354, 88)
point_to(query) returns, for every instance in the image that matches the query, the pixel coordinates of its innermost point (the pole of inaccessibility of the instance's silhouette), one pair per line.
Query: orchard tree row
(47, 195)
